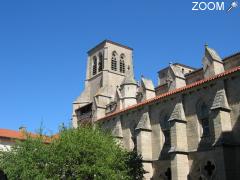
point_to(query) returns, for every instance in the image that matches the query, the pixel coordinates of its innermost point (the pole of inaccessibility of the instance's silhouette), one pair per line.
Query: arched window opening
(101, 62)
(114, 61)
(203, 116)
(94, 71)
(122, 63)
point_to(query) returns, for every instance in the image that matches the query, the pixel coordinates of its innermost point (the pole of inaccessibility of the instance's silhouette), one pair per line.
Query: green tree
(83, 153)
(135, 165)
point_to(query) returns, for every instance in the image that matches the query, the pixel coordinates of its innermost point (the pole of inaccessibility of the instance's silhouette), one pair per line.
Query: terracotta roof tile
(6, 133)
(18, 135)
(200, 82)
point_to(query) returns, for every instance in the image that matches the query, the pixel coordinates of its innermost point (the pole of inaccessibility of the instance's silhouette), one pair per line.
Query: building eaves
(19, 135)
(179, 64)
(186, 66)
(6, 133)
(231, 56)
(225, 59)
(108, 41)
(193, 72)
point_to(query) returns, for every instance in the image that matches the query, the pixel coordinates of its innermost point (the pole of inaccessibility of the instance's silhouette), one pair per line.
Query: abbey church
(187, 127)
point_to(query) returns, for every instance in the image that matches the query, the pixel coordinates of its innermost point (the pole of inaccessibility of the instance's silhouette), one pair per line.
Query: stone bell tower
(107, 65)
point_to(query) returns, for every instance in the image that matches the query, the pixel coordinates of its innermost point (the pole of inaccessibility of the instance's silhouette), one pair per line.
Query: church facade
(188, 127)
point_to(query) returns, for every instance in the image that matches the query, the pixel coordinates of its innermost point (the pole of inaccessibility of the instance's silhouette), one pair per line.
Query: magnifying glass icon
(234, 4)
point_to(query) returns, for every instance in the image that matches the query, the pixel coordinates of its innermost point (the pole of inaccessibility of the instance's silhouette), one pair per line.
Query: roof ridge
(230, 56)
(175, 91)
(20, 135)
(108, 41)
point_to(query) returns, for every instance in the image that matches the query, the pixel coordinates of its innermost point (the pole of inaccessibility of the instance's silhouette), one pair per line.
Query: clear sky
(43, 45)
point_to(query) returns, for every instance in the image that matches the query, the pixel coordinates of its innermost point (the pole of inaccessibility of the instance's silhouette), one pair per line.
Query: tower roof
(213, 54)
(108, 41)
(147, 83)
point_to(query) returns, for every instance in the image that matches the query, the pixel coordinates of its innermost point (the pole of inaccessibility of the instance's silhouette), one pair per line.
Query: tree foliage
(83, 153)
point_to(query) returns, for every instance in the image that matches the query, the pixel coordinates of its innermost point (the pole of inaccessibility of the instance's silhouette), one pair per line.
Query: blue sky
(43, 47)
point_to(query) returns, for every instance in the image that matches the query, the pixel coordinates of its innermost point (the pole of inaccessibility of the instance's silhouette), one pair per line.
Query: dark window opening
(114, 61)
(94, 65)
(122, 63)
(101, 62)
(84, 110)
(203, 117)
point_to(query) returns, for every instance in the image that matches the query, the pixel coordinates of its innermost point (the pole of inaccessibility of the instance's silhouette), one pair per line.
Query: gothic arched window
(203, 117)
(114, 61)
(122, 63)
(101, 62)
(94, 70)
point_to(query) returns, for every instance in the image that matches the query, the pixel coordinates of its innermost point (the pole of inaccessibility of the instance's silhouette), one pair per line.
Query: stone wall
(201, 151)
(186, 128)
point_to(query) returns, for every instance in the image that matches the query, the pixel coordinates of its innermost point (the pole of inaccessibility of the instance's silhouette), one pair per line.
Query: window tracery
(94, 70)
(122, 63)
(101, 62)
(114, 61)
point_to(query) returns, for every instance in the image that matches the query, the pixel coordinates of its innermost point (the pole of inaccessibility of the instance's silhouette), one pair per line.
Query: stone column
(179, 146)
(144, 143)
(222, 127)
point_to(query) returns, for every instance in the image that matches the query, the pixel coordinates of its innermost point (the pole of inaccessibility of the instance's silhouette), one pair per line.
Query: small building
(9, 137)
(7, 140)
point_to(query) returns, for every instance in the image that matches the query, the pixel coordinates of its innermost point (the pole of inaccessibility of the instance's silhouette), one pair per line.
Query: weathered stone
(220, 101)
(144, 123)
(117, 129)
(178, 113)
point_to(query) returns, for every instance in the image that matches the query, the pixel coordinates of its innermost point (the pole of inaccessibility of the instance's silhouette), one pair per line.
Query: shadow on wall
(230, 141)
(165, 127)
(205, 166)
(164, 156)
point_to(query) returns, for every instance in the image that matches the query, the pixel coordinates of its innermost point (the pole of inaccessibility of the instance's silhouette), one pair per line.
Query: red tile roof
(169, 93)
(19, 135)
(6, 133)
